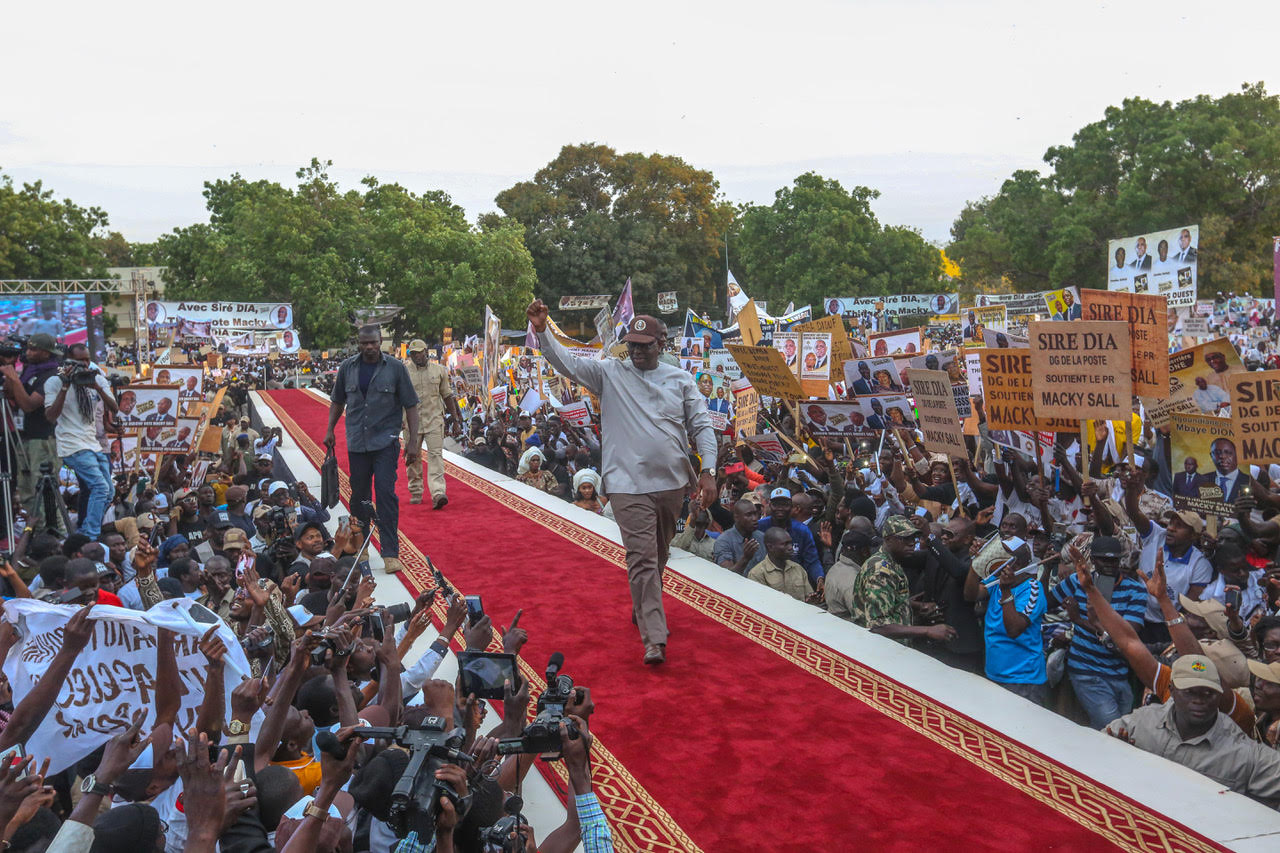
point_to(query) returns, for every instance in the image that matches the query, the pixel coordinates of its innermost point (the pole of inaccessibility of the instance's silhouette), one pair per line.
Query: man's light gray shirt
(647, 417)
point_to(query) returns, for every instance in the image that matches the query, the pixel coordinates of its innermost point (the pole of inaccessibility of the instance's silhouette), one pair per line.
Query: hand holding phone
(475, 609)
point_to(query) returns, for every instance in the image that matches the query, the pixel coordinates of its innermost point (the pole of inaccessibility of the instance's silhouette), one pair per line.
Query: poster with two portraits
(152, 421)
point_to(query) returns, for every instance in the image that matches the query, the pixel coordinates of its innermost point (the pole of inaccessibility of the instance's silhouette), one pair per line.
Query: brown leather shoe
(655, 653)
(440, 502)
(392, 565)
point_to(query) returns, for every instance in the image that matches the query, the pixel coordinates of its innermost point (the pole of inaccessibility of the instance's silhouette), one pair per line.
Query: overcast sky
(132, 105)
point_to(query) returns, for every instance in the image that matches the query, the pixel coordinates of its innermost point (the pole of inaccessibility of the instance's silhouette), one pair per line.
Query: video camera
(542, 735)
(14, 346)
(415, 800)
(504, 836)
(79, 374)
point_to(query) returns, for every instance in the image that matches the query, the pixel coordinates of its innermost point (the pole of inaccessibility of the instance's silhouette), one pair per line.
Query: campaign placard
(1081, 370)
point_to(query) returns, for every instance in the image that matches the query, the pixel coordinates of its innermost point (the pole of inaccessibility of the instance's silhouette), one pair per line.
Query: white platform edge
(1166, 788)
(542, 808)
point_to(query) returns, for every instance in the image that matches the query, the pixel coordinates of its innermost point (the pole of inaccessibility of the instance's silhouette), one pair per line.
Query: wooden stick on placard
(1128, 441)
(1084, 452)
(955, 484)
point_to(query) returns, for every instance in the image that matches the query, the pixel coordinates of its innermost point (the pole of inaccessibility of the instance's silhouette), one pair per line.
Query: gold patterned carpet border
(1123, 822)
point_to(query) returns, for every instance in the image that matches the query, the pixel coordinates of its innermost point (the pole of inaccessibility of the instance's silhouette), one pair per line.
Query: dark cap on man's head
(1106, 546)
(302, 528)
(44, 341)
(645, 330)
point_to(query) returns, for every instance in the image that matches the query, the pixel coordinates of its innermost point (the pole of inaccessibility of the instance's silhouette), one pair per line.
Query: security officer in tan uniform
(435, 393)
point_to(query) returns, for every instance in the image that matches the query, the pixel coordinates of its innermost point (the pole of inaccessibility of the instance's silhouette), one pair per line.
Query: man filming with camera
(80, 394)
(26, 391)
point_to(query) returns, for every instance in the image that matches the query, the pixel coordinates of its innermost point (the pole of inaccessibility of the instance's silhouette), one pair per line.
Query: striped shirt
(1088, 655)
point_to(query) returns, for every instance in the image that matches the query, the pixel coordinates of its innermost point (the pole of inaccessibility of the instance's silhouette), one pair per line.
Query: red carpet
(751, 737)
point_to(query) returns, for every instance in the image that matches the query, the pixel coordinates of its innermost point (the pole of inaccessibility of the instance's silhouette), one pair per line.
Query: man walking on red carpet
(376, 393)
(435, 397)
(647, 410)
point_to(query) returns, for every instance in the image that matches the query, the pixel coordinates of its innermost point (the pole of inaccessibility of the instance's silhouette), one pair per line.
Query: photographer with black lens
(76, 423)
(27, 392)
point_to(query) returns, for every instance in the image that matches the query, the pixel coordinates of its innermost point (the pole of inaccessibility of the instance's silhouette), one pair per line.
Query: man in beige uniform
(431, 382)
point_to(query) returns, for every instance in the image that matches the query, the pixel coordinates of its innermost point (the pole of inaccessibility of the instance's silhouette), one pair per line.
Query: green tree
(1144, 166)
(119, 252)
(44, 238)
(593, 218)
(819, 240)
(330, 252)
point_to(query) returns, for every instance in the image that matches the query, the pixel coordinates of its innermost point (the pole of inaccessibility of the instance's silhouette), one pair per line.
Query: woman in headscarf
(531, 473)
(586, 491)
(173, 548)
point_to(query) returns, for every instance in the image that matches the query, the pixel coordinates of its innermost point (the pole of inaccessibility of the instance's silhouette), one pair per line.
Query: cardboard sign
(1196, 327)
(1081, 370)
(749, 324)
(746, 409)
(815, 363)
(841, 347)
(1007, 394)
(767, 370)
(1148, 319)
(1255, 416)
(900, 342)
(936, 412)
(1207, 477)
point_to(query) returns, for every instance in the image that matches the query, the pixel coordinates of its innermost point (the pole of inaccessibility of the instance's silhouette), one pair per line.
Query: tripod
(54, 505)
(14, 458)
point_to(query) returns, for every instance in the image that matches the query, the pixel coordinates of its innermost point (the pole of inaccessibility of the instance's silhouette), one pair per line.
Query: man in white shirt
(80, 394)
(1211, 399)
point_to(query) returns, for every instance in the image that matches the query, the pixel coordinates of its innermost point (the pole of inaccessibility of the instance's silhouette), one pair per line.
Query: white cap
(1013, 543)
(276, 485)
(300, 614)
(780, 492)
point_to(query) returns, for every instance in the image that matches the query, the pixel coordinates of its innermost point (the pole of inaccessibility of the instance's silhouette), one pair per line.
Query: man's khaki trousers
(433, 434)
(648, 524)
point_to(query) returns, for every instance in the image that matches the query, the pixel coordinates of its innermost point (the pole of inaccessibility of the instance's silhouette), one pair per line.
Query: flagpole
(728, 306)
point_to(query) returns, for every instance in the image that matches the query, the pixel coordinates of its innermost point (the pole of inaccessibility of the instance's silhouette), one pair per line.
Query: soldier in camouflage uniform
(881, 598)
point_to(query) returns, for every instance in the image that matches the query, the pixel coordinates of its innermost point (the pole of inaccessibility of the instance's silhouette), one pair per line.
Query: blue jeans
(1104, 698)
(94, 470)
(380, 467)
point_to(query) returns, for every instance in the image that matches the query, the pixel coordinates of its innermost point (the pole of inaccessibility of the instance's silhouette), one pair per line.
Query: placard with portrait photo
(147, 404)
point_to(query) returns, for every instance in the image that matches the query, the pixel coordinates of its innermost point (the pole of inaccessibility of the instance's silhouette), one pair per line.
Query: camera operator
(296, 500)
(27, 391)
(76, 430)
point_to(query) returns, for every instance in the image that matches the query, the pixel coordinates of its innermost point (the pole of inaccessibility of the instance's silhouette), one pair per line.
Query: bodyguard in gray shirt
(648, 410)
